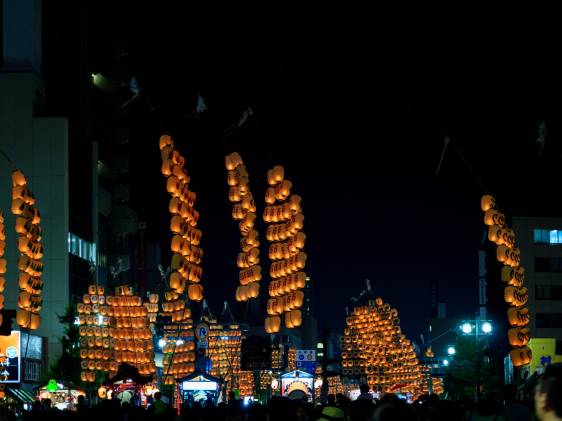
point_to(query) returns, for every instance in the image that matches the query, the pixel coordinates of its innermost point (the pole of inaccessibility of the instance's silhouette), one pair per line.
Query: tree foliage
(471, 367)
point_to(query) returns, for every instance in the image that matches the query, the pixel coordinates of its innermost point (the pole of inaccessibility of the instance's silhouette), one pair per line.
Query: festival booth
(128, 386)
(63, 395)
(297, 385)
(197, 387)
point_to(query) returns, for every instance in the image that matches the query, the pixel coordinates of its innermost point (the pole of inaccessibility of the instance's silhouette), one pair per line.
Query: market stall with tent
(297, 385)
(128, 386)
(63, 395)
(198, 387)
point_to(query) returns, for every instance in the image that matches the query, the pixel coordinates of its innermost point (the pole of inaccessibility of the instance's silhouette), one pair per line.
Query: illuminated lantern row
(179, 358)
(179, 352)
(130, 330)
(276, 357)
(265, 380)
(96, 343)
(31, 251)
(513, 275)
(292, 359)
(152, 308)
(376, 352)
(284, 215)
(187, 255)
(225, 347)
(246, 383)
(3, 262)
(175, 307)
(335, 385)
(244, 211)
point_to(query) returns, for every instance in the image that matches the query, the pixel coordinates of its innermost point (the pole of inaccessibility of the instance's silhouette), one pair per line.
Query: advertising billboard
(10, 358)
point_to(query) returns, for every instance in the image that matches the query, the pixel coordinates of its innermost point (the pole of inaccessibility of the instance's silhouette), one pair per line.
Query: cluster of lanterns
(292, 359)
(175, 308)
(513, 275)
(225, 346)
(114, 329)
(335, 385)
(244, 211)
(187, 255)
(265, 380)
(276, 357)
(131, 331)
(96, 343)
(284, 215)
(31, 251)
(3, 262)
(376, 352)
(179, 359)
(246, 383)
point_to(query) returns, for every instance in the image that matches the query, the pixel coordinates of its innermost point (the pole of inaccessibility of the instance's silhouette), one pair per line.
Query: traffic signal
(6, 320)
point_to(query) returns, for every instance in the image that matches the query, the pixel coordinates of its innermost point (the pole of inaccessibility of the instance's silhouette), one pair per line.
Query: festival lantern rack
(376, 352)
(244, 211)
(115, 329)
(513, 275)
(187, 255)
(225, 345)
(130, 330)
(335, 385)
(179, 359)
(31, 252)
(265, 378)
(96, 345)
(284, 215)
(292, 359)
(246, 383)
(276, 357)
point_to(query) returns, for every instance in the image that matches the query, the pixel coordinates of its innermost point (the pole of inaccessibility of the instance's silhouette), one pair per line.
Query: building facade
(540, 241)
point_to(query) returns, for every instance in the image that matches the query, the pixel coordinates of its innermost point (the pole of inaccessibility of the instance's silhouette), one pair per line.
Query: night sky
(357, 117)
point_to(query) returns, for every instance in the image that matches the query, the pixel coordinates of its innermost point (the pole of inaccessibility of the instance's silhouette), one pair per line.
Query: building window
(32, 370)
(548, 292)
(541, 236)
(548, 264)
(549, 320)
(82, 248)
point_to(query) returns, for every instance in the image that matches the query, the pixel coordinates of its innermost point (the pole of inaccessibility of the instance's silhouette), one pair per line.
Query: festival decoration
(31, 252)
(244, 210)
(516, 294)
(187, 255)
(285, 218)
(376, 352)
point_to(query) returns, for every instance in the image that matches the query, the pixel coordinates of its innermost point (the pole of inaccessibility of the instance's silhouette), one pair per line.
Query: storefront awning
(22, 394)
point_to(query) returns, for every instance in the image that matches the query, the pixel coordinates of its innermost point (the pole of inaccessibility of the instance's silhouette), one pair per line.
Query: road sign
(308, 355)
(307, 366)
(202, 335)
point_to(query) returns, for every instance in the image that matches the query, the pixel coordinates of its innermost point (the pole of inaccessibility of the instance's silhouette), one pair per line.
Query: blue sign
(308, 366)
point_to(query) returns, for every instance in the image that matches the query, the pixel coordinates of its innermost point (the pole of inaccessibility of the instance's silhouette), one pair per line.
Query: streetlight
(466, 328)
(487, 327)
(445, 363)
(451, 350)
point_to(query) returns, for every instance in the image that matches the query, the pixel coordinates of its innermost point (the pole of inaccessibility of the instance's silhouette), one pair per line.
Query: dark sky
(356, 113)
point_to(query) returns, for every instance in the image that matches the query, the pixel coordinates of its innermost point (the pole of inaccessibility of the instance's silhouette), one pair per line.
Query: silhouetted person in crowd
(81, 408)
(548, 394)
(393, 409)
(362, 406)
(158, 406)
